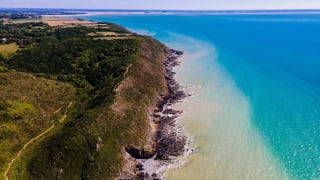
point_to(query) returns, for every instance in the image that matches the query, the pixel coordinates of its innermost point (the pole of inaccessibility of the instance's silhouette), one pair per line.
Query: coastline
(167, 140)
(239, 135)
(164, 141)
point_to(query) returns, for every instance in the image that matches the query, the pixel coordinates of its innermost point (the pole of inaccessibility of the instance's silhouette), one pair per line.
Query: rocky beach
(168, 142)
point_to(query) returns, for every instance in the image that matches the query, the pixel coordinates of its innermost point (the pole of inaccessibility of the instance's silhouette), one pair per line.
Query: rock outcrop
(168, 143)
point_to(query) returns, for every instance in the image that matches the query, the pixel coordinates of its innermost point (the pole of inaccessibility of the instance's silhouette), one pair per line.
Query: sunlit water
(256, 109)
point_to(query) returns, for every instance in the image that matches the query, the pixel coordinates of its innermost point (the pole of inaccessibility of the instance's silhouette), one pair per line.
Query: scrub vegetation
(111, 83)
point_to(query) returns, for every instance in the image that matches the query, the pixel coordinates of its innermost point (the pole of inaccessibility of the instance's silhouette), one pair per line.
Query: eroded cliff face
(117, 83)
(109, 129)
(162, 142)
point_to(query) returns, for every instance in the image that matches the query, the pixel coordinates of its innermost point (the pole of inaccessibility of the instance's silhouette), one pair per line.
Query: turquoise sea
(256, 77)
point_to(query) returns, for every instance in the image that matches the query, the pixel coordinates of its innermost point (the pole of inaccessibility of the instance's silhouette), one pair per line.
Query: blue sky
(165, 4)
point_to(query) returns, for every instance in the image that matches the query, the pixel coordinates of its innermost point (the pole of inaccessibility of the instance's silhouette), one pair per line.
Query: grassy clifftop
(91, 147)
(113, 77)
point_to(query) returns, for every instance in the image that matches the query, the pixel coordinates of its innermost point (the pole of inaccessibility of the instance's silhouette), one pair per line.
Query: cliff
(120, 81)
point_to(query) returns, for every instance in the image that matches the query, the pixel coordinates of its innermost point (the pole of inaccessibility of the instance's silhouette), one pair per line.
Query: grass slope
(27, 107)
(91, 147)
(115, 82)
(7, 49)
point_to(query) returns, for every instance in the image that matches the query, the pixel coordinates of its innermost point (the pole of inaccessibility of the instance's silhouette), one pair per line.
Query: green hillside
(111, 83)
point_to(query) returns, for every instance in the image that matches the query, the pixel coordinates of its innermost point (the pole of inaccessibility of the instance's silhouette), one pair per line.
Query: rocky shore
(168, 142)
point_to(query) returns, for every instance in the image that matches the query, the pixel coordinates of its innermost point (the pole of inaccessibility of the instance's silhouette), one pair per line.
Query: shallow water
(256, 112)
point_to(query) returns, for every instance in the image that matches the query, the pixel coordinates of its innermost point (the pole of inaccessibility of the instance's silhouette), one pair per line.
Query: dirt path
(23, 148)
(127, 70)
(124, 77)
(32, 140)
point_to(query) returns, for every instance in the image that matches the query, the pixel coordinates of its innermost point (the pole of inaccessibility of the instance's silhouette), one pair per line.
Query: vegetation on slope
(7, 49)
(28, 105)
(89, 143)
(90, 146)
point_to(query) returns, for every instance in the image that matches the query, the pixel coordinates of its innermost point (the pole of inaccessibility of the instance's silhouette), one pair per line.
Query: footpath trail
(32, 140)
(23, 148)
(127, 70)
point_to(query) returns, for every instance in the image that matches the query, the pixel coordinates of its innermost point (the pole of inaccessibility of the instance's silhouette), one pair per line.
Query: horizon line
(118, 9)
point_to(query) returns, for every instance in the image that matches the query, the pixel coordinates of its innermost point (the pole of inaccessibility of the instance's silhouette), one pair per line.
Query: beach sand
(217, 117)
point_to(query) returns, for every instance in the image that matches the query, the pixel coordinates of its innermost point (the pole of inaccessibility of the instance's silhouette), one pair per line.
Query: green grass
(130, 126)
(95, 67)
(72, 148)
(27, 105)
(19, 109)
(7, 49)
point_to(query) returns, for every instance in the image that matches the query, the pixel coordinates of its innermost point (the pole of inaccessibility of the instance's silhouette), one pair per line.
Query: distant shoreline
(88, 12)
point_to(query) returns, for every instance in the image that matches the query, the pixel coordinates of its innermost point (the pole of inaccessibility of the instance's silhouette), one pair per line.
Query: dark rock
(167, 142)
(172, 111)
(147, 154)
(133, 152)
(139, 167)
(156, 115)
(140, 176)
(139, 153)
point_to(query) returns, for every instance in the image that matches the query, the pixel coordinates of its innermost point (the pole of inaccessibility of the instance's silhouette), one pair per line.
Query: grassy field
(28, 105)
(55, 21)
(7, 49)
